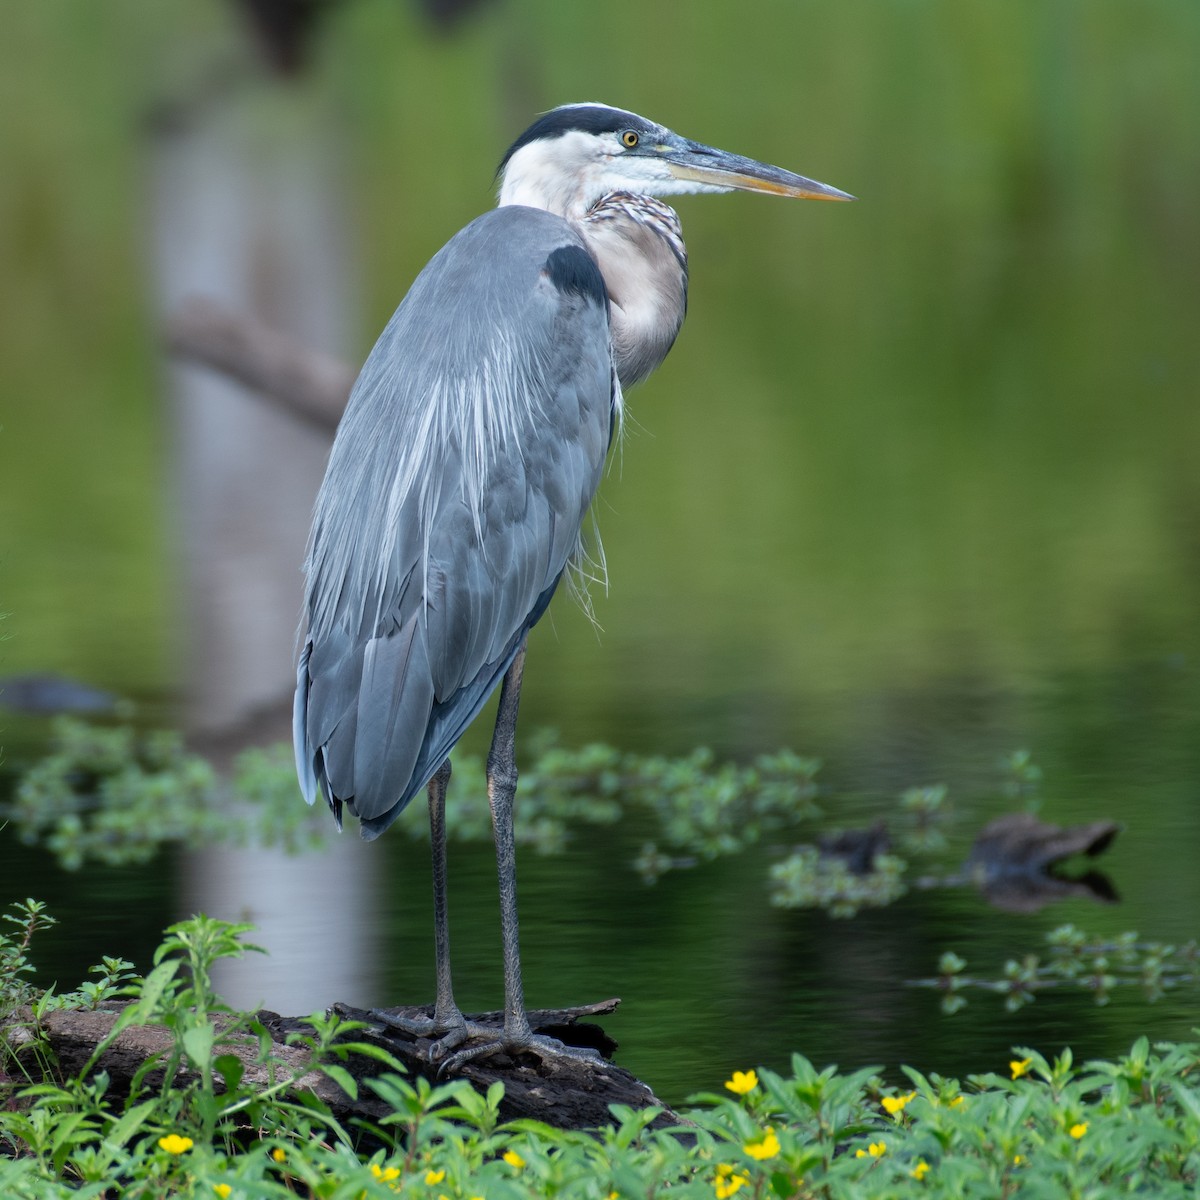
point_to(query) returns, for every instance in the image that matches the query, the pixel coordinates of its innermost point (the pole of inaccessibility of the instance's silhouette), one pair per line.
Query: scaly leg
(446, 1015)
(502, 793)
(502, 789)
(447, 1019)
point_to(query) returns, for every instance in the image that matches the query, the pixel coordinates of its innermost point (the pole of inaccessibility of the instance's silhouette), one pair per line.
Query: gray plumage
(470, 450)
(452, 504)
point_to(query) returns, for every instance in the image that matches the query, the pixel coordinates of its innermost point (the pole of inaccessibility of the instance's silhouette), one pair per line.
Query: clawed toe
(449, 1040)
(450, 1031)
(455, 1063)
(417, 1026)
(548, 1047)
(536, 1043)
(457, 1041)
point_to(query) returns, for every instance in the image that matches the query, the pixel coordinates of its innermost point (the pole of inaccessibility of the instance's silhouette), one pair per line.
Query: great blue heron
(470, 450)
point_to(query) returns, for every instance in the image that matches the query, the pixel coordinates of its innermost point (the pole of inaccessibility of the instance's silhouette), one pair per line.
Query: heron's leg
(447, 1019)
(502, 790)
(446, 1014)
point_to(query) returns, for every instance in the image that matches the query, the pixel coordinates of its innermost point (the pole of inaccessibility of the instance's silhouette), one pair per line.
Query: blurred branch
(303, 382)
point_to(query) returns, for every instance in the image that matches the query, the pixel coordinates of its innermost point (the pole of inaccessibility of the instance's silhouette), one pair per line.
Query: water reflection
(711, 976)
(1014, 861)
(312, 914)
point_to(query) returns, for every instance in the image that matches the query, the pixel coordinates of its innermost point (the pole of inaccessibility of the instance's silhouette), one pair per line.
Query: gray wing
(471, 447)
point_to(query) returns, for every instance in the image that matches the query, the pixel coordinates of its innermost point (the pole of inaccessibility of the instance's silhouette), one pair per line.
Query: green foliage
(196, 1093)
(19, 1037)
(111, 794)
(714, 809)
(1043, 1128)
(925, 809)
(27, 919)
(266, 800)
(1023, 778)
(695, 808)
(1076, 959)
(809, 879)
(17, 930)
(114, 795)
(113, 976)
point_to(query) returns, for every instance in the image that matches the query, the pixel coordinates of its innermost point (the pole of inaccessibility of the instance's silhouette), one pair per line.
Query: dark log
(567, 1092)
(1015, 859)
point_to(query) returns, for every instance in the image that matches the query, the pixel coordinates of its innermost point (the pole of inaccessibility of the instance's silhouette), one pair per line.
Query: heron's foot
(484, 1043)
(449, 1031)
(477, 1040)
(450, 1028)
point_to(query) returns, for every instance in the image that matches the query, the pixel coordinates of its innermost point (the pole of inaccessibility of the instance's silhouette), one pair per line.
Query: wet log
(1016, 857)
(564, 1091)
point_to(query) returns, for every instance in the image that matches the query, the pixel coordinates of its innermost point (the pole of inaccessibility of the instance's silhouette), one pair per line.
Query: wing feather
(470, 451)
(391, 719)
(305, 770)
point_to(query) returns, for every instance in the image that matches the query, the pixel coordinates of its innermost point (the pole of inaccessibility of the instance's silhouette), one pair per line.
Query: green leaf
(198, 1044)
(342, 1078)
(1187, 1098)
(152, 990)
(123, 1129)
(231, 1069)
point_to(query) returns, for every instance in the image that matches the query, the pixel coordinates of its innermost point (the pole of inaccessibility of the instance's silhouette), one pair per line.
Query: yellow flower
(385, 1174)
(742, 1082)
(278, 1154)
(1018, 1160)
(728, 1181)
(1018, 1067)
(956, 1101)
(920, 1170)
(432, 1177)
(895, 1104)
(1077, 1131)
(513, 1159)
(765, 1147)
(875, 1150)
(223, 1190)
(174, 1144)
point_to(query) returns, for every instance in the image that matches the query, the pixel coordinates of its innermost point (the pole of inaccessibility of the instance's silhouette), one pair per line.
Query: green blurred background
(918, 484)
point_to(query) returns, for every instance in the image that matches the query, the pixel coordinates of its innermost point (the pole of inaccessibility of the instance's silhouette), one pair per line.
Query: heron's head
(573, 155)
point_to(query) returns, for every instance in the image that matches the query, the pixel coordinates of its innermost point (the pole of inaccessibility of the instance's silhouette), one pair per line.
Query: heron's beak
(719, 169)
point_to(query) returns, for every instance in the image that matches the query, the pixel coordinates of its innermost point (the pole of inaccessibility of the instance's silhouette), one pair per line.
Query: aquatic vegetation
(1041, 1126)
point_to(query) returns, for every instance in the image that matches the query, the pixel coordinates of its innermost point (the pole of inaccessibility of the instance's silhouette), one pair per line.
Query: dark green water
(917, 486)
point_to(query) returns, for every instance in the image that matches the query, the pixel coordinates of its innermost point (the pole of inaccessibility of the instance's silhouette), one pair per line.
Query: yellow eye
(629, 139)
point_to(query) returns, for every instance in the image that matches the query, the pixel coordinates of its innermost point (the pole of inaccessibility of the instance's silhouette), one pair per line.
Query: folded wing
(469, 453)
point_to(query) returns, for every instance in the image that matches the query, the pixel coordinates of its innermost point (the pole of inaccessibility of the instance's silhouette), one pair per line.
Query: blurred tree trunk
(249, 208)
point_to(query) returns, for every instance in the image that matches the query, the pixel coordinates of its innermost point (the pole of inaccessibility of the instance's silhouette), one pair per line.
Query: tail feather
(394, 701)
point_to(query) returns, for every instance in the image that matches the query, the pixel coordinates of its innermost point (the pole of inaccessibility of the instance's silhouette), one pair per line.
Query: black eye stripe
(586, 118)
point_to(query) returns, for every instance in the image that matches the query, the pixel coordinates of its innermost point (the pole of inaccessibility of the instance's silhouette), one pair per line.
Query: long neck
(638, 243)
(562, 176)
(636, 240)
